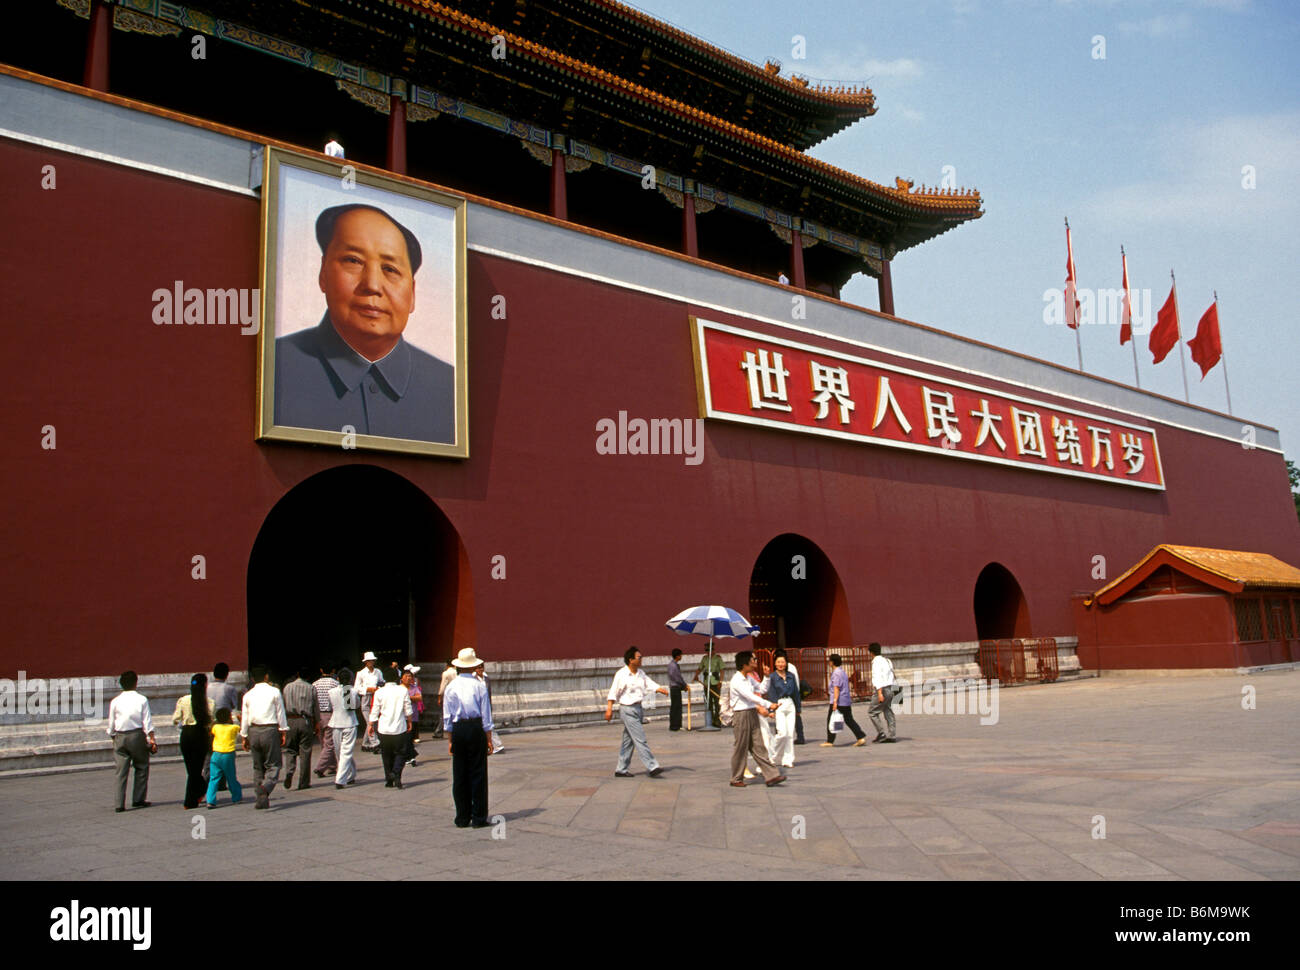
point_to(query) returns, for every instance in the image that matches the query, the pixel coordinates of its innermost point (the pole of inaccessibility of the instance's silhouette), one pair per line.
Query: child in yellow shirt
(224, 737)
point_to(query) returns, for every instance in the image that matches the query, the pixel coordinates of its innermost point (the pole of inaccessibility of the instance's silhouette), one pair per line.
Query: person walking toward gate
(196, 742)
(467, 722)
(328, 760)
(264, 728)
(841, 701)
(131, 728)
(344, 702)
(628, 690)
(303, 713)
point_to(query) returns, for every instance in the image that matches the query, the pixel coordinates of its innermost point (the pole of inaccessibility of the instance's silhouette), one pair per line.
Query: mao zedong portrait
(354, 368)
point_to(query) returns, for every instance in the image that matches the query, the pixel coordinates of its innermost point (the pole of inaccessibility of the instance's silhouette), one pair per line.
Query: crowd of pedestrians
(330, 706)
(281, 726)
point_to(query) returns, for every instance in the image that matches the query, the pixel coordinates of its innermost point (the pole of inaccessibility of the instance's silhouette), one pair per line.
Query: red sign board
(753, 378)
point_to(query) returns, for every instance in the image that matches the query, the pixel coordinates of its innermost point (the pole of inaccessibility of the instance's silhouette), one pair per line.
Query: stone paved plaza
(1190, 785)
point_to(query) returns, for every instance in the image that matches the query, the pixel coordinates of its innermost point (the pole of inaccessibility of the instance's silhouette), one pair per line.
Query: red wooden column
(796, 260)
(886, 287)
(559, 195)
(690, 241)
(396, 157)
(101, 26)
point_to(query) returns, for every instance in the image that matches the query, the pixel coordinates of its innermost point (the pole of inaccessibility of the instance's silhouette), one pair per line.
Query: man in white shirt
(369, 679)
(390, 718)
(131, 728)
(881, 710)
(264, 729)
(467, 721)
(343, 724)
(746, 708)
(629, 689)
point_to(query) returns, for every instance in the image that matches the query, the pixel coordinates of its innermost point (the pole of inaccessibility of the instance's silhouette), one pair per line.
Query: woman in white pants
(783, 690)
(343, 722)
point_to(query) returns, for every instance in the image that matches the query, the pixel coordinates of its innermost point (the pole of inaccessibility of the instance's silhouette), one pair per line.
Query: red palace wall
(156, 463)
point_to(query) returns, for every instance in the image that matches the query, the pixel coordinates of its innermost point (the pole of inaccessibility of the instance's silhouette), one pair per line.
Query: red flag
(1206, 347)
(1071, 293)
(1126, 314)
(1164, 335)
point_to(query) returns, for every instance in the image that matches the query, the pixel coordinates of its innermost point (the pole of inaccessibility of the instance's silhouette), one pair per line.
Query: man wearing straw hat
(369, 679)
(467, 721)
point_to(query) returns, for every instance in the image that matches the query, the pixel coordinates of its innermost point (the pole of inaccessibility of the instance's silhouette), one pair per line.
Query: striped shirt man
(300, 699)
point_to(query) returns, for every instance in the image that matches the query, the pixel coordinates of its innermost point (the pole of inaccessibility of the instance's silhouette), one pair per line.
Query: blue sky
(1147, 147)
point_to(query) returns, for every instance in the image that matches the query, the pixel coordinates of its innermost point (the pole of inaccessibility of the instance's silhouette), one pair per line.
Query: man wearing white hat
(369, 679)
(467, 720)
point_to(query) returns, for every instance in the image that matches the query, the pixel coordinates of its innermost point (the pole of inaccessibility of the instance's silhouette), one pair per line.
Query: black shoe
(288, 783)
(480, 824)
(388, 783)
(801, 742)
(462, 825)
(352, 782)
(397, 784)
(890, 741)
(141, 804)
(656, 772)
(337, 785)
(119, 809)
(622, 774)
(878, 738)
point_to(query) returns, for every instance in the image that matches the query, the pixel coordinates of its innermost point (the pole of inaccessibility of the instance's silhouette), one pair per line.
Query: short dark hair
(778, 652)
(677, 652)
(873, 647)
(223, 715)
(629, 653)
(306, 673)
(128, 680)
(256, 674)
(221, 671)
(327, 220)
(744, 657)
(835, 659)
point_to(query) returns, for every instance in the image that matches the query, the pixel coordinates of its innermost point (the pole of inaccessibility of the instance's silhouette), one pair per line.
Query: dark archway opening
(1000, 608)
(796, 598)
(353, 559)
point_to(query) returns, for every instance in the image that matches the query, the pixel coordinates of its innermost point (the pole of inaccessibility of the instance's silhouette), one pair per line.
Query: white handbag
(836, 723)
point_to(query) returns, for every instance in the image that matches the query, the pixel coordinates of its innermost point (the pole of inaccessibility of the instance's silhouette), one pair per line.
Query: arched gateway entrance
(353, 559)
(1000, 608)
(795, 596)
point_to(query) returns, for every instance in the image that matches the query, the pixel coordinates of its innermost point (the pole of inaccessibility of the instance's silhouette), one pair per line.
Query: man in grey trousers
(131, 728)
(628, 690)
(264, 728)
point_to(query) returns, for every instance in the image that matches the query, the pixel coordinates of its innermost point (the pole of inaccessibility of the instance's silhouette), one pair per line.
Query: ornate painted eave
(902, 199)
(791, 109)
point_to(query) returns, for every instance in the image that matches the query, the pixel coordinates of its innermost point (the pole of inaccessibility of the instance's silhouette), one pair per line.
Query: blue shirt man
(467, 721)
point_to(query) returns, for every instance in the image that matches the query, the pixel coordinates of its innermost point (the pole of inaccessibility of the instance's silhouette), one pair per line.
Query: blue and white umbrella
(712, 621)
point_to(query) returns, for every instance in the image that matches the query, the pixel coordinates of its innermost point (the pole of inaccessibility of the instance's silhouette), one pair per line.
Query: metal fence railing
(1019, 660)
(814, 668)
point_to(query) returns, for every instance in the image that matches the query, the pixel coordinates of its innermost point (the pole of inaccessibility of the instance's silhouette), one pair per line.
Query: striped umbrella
(712, 621)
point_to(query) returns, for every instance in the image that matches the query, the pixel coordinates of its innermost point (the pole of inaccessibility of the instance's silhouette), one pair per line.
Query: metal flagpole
(1223, 354)
(1128, 300)
(708, 707)
(1182, 358)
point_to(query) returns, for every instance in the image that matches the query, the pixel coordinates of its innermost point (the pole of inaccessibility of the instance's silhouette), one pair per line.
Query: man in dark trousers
(676, 684)
(467, 721)
(302, 710)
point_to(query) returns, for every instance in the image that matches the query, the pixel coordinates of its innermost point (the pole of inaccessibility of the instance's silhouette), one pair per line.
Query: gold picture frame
(314, 385)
